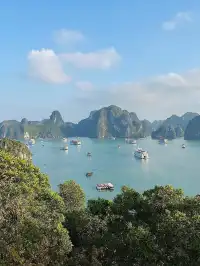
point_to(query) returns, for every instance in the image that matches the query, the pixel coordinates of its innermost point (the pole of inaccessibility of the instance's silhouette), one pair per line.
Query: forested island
(111, 121)
(38, 226)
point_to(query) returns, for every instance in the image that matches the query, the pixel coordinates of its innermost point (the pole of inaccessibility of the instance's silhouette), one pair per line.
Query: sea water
(168, 164)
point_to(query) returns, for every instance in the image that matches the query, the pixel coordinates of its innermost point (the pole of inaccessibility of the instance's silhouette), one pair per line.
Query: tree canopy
(158, 227)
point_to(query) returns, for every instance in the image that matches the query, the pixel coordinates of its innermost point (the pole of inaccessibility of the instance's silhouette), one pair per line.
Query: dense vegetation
(174, 126)
(40, 227)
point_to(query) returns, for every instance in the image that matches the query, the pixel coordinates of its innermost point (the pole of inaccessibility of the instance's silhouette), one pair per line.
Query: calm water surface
(168, 164)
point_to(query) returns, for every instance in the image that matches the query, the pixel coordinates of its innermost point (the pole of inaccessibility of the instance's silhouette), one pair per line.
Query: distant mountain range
(103, 123)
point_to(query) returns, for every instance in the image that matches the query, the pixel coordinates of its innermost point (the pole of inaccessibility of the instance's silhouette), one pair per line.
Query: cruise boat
(26, 136)
(65, 148)
(31, 142)
(113, 138)
(131, 141)
(141, 154)
(75, 142)
(162, 141)
(104, 186)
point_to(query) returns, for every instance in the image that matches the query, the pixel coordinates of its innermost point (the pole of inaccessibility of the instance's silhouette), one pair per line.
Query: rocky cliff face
(113, 121)
(56, 118)
(103, 123)
(11, 128)
(192, 131)
(174, 126)
(16, 148)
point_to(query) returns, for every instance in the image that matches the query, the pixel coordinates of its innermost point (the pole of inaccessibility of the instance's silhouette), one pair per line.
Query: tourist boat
(31, 142)
(131, 141)
(183, 146)
(65, 139)
(89, 174)
(75, 142)
(104, 186)
(89, 154)
(65, 148)
(141, 154)
(162, 141)
(26, 136)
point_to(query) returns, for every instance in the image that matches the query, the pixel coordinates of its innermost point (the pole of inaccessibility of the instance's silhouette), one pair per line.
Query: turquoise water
(168, 164)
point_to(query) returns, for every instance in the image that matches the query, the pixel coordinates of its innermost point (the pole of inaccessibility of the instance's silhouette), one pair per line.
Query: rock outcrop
(103, 123)
(113, 121)
(16, 148)
(174, 126)
(192, 131)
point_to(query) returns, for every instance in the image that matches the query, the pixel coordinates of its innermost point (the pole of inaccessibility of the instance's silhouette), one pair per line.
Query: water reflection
(78, 148)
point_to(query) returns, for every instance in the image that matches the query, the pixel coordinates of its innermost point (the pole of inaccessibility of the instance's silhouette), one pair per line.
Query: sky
(78, 56)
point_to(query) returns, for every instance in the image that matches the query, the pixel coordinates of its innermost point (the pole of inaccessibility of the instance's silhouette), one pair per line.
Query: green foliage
(73, 196)
(159, 227)
(31, 216)
(99, 207)
(15, 148)
(47, 129)
(41, 227)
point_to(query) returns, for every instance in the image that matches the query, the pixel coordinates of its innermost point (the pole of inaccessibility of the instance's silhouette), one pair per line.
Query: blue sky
(76, 56)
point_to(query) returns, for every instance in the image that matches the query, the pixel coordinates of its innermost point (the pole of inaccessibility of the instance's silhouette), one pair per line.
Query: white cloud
(179, 19)
(65, 36)
(84, 85)
(44, 64)
(102, 59)
(154, 98)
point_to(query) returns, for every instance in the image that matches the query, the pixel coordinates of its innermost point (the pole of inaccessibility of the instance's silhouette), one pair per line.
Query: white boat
(162, 141)
(183, 146)
(104, 186)
(65, 139)
(75, 142)
(141, 154)
(131, 141)
(31, 142)
(65, 148)
(26, 135)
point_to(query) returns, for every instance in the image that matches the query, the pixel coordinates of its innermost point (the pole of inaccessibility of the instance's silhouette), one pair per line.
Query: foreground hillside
(174, 126)
(41, 227)
(106, 122)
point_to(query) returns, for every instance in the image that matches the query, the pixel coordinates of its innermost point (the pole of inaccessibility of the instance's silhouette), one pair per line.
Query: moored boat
(131, 141)
(162, 140)
(26, 136)
(31, 142)
(104, 186)
(89, 174)
(64, 148)
(141, 154)
(183, 146)
(65, 139)
(75, 142)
